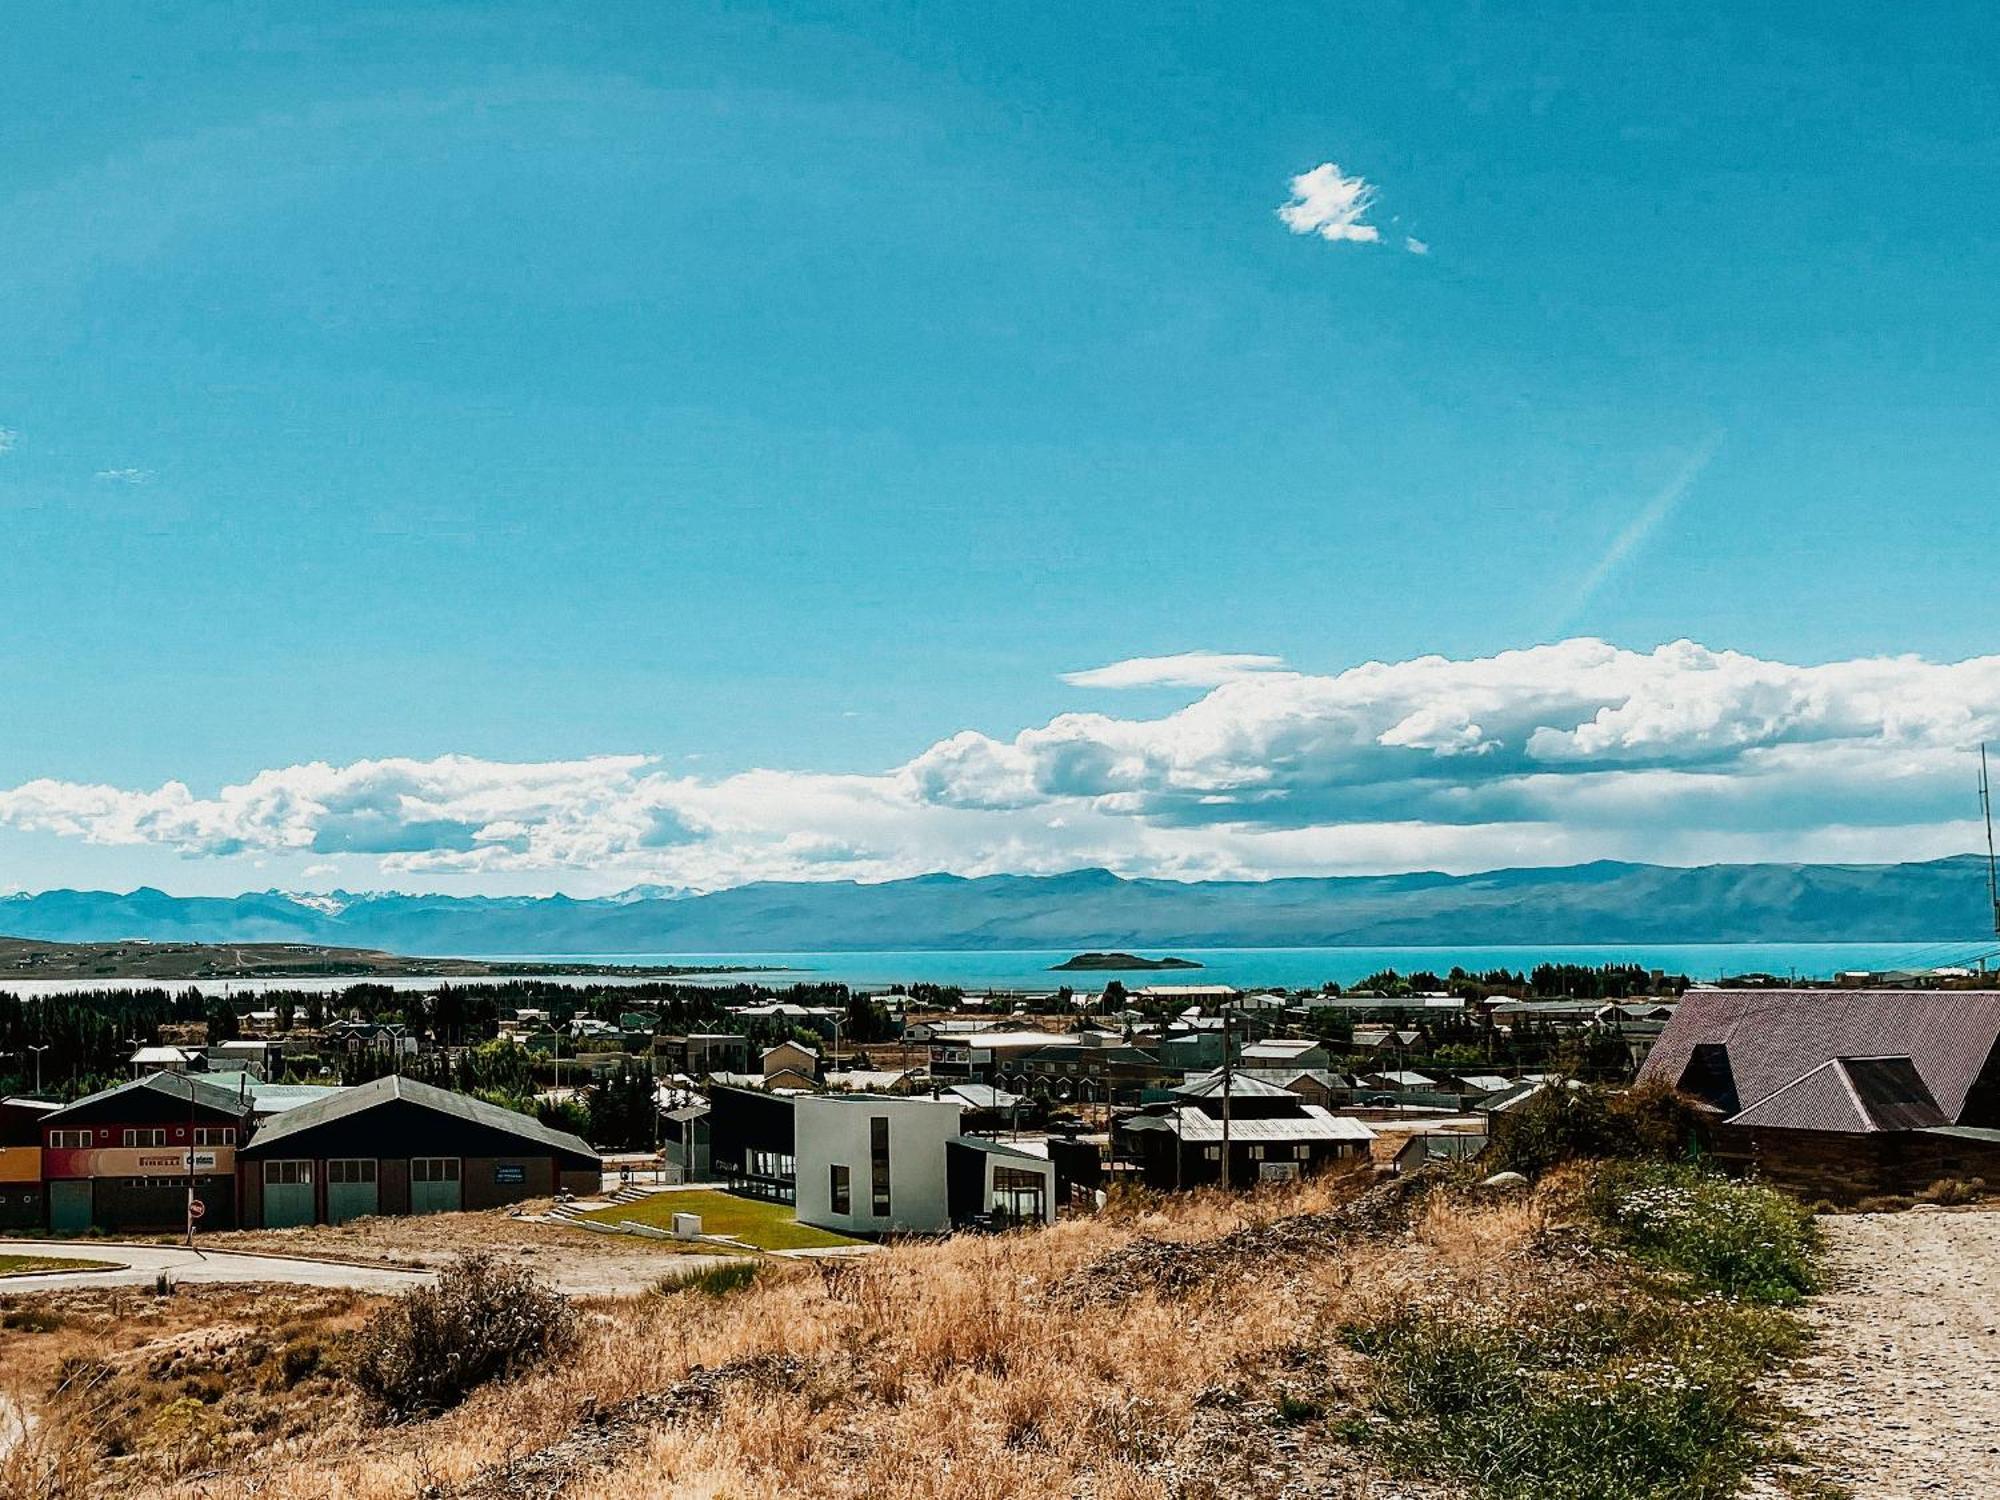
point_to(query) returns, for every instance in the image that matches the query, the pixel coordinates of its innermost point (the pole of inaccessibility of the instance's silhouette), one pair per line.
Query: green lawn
(20, 1265)
(768, 1226)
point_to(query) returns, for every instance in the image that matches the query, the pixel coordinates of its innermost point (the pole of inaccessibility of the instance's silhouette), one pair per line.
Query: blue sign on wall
(502, 1173)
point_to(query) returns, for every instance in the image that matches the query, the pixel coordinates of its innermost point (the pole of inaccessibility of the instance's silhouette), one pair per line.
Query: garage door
(69, 1207)
(288, 1194)
(350, 1190)
(434, 1185)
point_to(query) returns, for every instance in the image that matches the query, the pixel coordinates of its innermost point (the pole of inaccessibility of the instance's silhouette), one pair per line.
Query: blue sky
(796, 389)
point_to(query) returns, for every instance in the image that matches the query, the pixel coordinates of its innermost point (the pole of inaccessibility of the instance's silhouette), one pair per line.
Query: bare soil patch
(1902, 1391)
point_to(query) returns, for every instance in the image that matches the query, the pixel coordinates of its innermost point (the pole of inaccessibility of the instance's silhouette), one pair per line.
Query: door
(288, 1194)
(350, 1190)
(434, 1185)
(69, 1206)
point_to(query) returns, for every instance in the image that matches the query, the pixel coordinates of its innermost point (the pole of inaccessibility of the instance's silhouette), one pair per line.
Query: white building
(868, 1164)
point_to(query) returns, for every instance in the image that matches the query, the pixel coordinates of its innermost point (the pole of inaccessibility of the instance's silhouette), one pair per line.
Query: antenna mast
(1992, 869)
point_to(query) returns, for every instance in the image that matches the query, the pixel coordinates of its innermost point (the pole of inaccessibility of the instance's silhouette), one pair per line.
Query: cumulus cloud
(1330, 205)
(1577, 750)
(1200, 669)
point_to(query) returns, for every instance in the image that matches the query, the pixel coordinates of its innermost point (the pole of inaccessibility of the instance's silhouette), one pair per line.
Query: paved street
(142, 1263)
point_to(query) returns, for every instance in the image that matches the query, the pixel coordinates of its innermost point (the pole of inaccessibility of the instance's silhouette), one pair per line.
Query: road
(141, 1264)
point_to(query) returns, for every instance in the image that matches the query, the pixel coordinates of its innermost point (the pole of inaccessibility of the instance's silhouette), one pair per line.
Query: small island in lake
(1121, 961)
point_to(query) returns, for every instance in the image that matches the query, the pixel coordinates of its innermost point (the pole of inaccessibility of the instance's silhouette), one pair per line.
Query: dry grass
(1004, 1368)
(926, 1371)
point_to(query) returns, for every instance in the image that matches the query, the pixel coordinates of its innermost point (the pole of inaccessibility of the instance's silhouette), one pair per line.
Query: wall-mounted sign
(502, 1172)
(138, 1161)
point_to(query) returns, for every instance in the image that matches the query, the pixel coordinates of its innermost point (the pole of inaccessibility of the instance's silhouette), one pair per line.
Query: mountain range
(1605, 902)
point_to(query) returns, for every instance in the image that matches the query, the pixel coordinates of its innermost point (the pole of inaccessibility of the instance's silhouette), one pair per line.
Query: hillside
(35, 958)
(1083, 909)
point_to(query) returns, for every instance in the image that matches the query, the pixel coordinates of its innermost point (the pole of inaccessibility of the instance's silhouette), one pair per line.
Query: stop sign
(196, 1208)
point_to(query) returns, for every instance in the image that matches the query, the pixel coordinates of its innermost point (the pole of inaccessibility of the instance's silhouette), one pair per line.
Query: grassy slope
(1193, 1350)
(19, 1265)
(767, 1226)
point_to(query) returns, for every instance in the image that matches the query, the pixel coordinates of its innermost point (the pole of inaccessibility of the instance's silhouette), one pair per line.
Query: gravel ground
(1902, 1393)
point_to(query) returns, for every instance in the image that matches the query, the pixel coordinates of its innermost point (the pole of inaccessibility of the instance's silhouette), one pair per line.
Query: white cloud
(8, 438)
(1188, 669)
(124, 476)
(1579, 750)
(1415, 246)
(1325, 203)
(1639, 530)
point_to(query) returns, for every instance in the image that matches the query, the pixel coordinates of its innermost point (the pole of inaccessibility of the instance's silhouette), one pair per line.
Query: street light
(38, 1051)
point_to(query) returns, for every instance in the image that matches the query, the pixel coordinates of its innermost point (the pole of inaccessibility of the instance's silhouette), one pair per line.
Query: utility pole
(1228, 1176)
(38, 1051)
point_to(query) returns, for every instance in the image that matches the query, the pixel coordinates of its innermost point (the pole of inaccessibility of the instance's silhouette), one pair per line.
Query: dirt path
(1902, 1394)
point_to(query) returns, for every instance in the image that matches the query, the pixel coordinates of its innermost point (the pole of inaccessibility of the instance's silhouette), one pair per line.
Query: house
(263, 1056)
(788, 1065)
(389, 1038)
(126, 1158)
(752, 1141)
(987, 1056)
(870, 1164)
(1482, 1084)
(988, 1182)
(1399, 1081)
(1285, 1052)
(703, 1052)
(164, 1060)
(1314, 1085)
(1273, 1135)
(1841, 1093)
(1089, 1070)
(396, 1146)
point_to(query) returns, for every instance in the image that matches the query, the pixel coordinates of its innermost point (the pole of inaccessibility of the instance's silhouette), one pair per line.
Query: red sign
(196, 1208)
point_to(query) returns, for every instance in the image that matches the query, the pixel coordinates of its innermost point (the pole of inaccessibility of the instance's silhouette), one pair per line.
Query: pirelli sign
(140, 1161)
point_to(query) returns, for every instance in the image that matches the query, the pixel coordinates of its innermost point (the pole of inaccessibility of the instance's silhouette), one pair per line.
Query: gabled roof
(1852, 1095)
(349, 1102)
(1776, 1037)
(1312, 1123)
(175, 1086)
(1209, 1086)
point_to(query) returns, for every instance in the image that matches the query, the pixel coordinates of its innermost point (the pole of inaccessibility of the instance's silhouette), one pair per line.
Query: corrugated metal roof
(1312, 1124)
(1776, 1037)
(169, 1085)
(1240, 1087)
(1850, 1095)
(349, 1102)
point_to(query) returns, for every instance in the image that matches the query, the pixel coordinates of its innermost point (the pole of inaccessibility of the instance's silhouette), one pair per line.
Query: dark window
(843, 1199)
(878, 1164)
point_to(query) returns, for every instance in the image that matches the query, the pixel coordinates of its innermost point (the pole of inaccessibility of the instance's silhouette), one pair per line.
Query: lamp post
(38, 1051)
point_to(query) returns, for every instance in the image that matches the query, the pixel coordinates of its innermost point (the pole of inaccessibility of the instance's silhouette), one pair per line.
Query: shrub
(1736, 1238)
(715, 1281)
(1951, 1191)
(434, 1346)
(1566, 1121)
(1587, 1402)
(31, 1319)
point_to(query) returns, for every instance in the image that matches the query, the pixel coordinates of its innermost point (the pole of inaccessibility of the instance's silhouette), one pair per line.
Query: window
(145, 1137)
(288, 1174)
(878, 1165)
(1303, 1153)
(433, 1169)
(843, 1197)
(69, 1140)
(215, 1135)
(350, 1171)
(1213, 1153)
(1256, 1153)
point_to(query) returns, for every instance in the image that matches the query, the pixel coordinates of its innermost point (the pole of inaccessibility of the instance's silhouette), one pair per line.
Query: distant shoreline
(168, 963)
